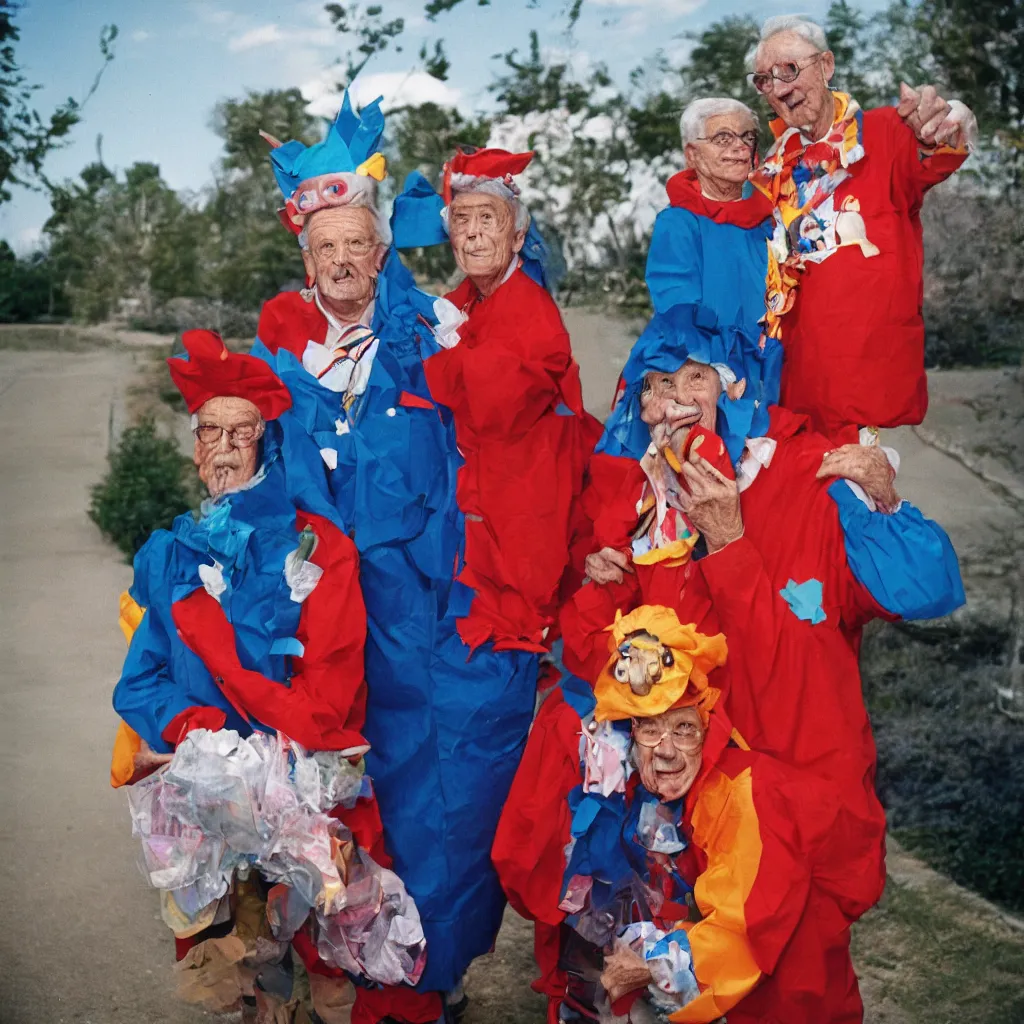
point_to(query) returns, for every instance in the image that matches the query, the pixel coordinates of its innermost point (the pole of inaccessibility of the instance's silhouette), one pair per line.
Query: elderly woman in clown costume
(745, 533)
(685, 876)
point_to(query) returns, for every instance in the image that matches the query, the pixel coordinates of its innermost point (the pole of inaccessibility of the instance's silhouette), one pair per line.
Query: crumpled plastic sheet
(656, 829)
(667, 955)
(225, 804)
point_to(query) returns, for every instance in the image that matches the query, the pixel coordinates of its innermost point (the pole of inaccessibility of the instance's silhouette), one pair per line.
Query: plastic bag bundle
(376, 932)
(226, 803)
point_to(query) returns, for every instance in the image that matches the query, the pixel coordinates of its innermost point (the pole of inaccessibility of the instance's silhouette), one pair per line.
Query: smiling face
(345, 257)
(730, 163)
(222, 466)
(669, 767)
(671, 403)
(484, 238)
(807, 101)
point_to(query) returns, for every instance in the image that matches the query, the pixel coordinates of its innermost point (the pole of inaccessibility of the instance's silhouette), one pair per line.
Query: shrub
(149, 483)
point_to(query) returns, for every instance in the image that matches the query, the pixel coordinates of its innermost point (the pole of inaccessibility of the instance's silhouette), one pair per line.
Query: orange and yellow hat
(679, 659)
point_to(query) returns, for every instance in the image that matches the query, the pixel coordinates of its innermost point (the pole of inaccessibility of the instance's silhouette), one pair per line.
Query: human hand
(146, 759)
(713, 504)
(866, 465)
(607, 565)
(925, 112)
(624, 972)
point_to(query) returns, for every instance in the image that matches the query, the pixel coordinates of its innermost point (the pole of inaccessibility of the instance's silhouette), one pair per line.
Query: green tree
(29, 289)
(26, 136)
(250, 255)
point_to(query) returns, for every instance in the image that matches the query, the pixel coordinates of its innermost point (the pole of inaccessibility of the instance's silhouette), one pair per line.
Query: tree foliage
(26, 136)
(149, 482)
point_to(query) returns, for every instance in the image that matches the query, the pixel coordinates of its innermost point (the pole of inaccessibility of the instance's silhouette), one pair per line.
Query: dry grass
(54, 337)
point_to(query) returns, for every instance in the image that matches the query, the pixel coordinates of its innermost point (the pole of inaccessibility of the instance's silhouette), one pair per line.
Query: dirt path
(81, 936)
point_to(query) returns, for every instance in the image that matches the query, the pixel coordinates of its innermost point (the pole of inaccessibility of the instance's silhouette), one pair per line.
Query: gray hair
(361, 200)
(798, 24)
(695, 116)
(465, 183)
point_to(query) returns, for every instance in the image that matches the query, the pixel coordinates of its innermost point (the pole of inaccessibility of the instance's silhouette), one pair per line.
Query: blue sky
(177, 58)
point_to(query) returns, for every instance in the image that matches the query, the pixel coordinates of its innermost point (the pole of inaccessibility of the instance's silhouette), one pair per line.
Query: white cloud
(28, 240)
(399, 88)
(265, 35)
(140, 35)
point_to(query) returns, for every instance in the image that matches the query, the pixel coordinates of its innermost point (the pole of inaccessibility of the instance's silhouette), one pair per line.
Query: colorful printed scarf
(800, 177)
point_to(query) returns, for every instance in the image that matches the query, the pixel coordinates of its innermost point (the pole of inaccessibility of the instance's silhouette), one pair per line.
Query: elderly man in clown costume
(244, 622)
(845, 264)
(708, 503)
(687, 876)
(508, 375)
(356, 348)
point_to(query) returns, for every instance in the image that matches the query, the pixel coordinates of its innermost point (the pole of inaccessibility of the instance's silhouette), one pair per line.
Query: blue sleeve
(675, 261)
(905, 561)
(145, 695)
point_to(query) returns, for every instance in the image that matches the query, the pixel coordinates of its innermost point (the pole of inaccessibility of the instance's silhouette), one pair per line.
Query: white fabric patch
(449, 319)
(213, 580)
(330, 456)
(301, 577)
(757, 455)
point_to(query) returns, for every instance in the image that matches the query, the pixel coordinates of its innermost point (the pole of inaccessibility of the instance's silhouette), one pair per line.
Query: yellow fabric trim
(678, 551)
(725, 826)
(127, 742)
(375, 167)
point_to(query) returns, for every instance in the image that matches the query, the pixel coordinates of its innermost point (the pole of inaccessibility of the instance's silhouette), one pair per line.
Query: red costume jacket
(514, 389)
(792, 689)
(763, 843)
(854, 340)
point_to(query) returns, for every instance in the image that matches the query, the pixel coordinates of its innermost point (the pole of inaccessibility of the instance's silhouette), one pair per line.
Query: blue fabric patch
(289, 645)
(563, 410)
(578, 694)
(804, 600)
(905, 561)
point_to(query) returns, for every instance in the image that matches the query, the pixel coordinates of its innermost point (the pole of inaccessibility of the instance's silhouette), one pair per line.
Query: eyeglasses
(353, 246)
(764, 81)
(243, 436)
(684, 736)
(725, 138)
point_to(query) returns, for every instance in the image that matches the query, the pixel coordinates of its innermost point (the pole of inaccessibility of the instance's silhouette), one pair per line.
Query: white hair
(798, 24)
(364, 200)
(466, 183)
(695, 116)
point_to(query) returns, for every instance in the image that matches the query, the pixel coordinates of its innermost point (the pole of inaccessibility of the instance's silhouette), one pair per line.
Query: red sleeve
(196, 717)
(324, 707)
(498, 389)
(529, 846)
(919, 167)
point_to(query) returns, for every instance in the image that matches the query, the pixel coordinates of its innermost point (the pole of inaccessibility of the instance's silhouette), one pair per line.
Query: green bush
(149, 483)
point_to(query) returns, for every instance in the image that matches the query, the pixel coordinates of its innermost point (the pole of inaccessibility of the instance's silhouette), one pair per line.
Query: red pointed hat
(213, 371)
(484, 163)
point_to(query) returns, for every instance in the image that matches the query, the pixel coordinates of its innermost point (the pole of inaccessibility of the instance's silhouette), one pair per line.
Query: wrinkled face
(344, 255)
(671, 403)
(800, 103)
(730, 162)
(668, 750)
(641, 660)
(227, 460)
(483, 234)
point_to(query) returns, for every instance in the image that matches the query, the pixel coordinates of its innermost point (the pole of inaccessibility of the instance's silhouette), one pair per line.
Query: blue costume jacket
(446, 728)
